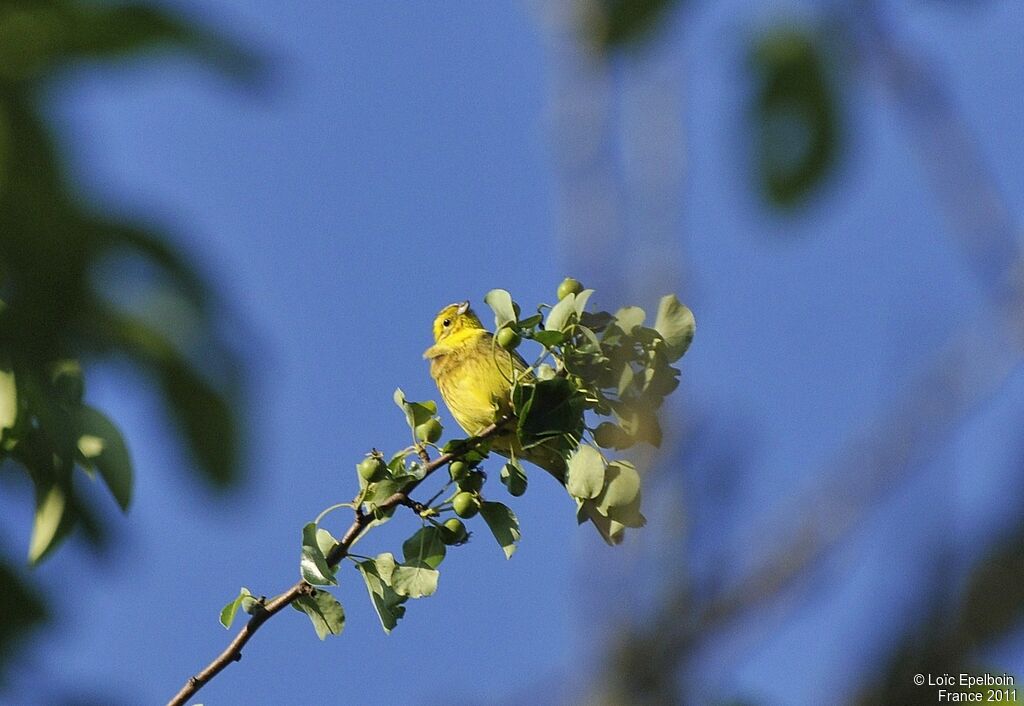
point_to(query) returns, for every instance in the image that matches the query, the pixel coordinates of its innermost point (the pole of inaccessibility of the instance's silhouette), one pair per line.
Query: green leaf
(324, 611)
(416, 413)
(580, 304)
(84, 30)
(676, 325)
(658, 380)
(625, 379)
(504, 525)
(500, 302)
(611, 530)
(89, 447)
(596, 321)
(546, 409)
(530, 321)
(207, 417)
(205, 412)
(623, 484)
(313, 566)
(50, 504)
(610, 436)
(548, 339)
(586, 474)
(164, 255)
(425, 547)
(640, 421)
(8, 400)
(620, 498)
(629, 317)
(326, 542)
(561, 313)
(244, 600)
(397, 463)
(101, 444)
(472, 457)
(513, 477)
(414, 581)
(377, 575)
(628, 515)
(592, 339)
(381, 490)
(120, 30)
(385, 564)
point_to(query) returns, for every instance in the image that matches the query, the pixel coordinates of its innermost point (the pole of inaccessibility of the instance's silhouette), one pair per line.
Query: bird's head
(455, 319)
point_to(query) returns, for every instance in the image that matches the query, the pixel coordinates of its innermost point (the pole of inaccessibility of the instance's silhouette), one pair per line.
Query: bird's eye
(446, 323)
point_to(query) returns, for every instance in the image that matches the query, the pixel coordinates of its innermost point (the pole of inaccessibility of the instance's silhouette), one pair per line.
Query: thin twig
(233, 652)
(421, 451)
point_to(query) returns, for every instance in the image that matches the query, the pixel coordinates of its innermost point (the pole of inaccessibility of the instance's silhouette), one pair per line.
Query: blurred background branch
(798, 139)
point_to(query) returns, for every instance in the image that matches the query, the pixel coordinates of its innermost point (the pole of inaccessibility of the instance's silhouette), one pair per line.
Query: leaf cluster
(46, 427)
(604, 373)
(591, 366)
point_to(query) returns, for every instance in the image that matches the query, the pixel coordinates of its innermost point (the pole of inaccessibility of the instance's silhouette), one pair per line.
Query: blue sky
(402, 158)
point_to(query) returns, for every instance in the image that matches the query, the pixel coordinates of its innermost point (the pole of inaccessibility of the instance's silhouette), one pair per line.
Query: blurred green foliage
(70, 291)
(795, 119)
(796, 126)
(613, 24)
(794, 115)
(20, 609)
(988, 607)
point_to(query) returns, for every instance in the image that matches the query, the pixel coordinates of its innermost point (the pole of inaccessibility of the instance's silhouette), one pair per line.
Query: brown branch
(263, 612)
(421, 451)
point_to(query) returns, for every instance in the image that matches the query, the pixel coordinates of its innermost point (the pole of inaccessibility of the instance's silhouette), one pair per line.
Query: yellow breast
(475, 379)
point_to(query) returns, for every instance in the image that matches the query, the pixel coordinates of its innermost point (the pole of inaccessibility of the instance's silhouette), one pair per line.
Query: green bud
(509, 338)
(465, 505)
(569, 286)
(370, 469)
(457, 470)
(454, 531)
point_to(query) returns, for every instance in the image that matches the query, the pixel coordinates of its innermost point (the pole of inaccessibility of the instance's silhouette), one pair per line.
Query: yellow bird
(475, 377)
(473, 374)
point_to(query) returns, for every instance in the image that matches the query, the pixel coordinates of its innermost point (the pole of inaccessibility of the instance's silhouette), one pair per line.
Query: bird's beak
(463, 308)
